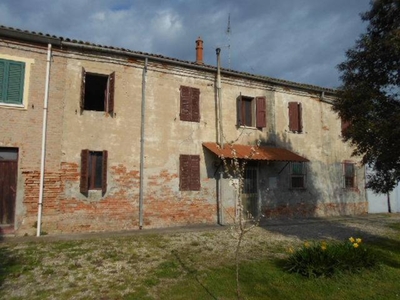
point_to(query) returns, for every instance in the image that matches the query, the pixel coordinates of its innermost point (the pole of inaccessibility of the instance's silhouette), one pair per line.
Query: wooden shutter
(110, 94)
(15, 88)
(84, 184)
(194, 172)
(344, 126)
(82, 100)
(300, 116)
(239, 111)
(2, 80)
(195, 96)
(294, 121)
(261, 116)
(184, 172)
(186, 107)
(104, 172)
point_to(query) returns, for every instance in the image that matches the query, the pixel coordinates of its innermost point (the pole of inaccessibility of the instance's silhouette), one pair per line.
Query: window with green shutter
(12, 74)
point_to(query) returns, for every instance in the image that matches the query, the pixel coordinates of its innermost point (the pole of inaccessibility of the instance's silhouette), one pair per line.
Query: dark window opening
(297, 175)
(349, 175)
(95, 92)
(95, 170)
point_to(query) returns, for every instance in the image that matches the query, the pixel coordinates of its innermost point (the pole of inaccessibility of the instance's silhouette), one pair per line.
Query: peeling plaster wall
(166, 137)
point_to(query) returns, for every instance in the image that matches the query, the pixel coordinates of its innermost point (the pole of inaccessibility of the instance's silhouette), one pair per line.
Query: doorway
(8, 184)
(250, 193)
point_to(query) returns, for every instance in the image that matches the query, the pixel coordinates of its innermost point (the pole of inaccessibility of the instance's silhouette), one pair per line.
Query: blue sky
(297, 40)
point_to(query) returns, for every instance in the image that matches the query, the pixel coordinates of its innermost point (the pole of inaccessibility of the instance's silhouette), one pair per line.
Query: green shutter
(12, 74)
(15, 86)
(2, 80)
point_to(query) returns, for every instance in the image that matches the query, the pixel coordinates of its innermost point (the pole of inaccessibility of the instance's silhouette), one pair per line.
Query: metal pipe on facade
(142, 124)
(44, 134)
(220, 135)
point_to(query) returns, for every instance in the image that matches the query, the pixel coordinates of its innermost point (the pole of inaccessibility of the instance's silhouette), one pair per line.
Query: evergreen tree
(369, 99)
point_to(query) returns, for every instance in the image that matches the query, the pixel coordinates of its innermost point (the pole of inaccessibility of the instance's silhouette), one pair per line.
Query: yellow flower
(358, 241)
(355, 245)
(324, 245)
(307, 244)
(290, 250)
(351, 239)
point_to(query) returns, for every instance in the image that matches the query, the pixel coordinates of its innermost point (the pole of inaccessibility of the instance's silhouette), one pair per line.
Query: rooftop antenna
(228, 32)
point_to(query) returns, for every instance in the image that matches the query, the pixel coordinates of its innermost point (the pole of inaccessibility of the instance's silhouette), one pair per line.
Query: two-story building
(97, 138)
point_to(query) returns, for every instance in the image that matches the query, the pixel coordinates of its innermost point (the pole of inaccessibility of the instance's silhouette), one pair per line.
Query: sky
(297, 40)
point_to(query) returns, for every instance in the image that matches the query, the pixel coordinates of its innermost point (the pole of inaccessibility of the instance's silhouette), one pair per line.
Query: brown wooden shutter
(84, 184)
(261, 113)
(195, 96)
(82, 100)
(104, 173)
(184, 172)
(186, 107)
(294, 116)
(239, 111)
(344, 126)
(300, 116)
(110, 94)
(195, 173)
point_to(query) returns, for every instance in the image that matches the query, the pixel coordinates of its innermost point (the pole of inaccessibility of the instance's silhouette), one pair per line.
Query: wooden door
(8, 184)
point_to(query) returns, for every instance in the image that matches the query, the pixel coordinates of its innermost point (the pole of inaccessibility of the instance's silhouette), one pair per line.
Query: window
(295, 117)
(190, 104)
(349, 174)
(93, 171)
(12, 76)
(189, 172)
(297, 175)
(97, 92)
(344, 126)
(251, 112)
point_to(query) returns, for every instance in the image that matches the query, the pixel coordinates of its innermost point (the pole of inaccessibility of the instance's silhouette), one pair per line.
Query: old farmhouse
(97, 138)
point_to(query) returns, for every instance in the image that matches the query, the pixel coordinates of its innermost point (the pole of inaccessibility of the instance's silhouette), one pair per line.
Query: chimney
(199, 51)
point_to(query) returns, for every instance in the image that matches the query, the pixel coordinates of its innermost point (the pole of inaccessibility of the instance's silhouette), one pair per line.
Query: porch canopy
(254, 153)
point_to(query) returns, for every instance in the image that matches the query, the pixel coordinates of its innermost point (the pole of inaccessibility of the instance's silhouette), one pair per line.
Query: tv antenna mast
(228, 32)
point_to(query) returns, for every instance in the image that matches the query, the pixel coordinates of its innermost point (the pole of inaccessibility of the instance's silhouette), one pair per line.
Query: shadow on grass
(387, 248)
(7, 264)
(193, 273)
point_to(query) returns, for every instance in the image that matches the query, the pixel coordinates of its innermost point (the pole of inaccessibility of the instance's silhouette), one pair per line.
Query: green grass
(153, 267)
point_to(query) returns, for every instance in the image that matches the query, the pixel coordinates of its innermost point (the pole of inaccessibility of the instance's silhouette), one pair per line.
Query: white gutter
(220, 136)
(142, 117)
(44, 133)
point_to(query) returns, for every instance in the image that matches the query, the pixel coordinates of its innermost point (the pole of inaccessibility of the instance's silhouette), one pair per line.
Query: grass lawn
(189, 265)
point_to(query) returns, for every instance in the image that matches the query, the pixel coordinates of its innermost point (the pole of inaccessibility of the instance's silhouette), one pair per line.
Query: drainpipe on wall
(142, 122)
(44, 133)
(220, 135)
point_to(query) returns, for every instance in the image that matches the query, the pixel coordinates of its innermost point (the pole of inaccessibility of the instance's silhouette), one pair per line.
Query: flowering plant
(315, 259)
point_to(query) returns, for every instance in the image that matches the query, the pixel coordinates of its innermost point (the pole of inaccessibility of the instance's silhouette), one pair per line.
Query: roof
(33, 36)
(254, 152)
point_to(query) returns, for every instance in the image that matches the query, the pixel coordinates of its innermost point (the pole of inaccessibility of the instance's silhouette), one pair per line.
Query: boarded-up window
(190, 104)
(12, 76)
(295, 117)
(297, 175)
(189, 172)
(251, 112)
(349, 175)
(93, 171)
(97, 92)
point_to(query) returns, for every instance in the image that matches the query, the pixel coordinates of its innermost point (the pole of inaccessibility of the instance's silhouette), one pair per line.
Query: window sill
(249, 127)
(12, 106)
(298, 189)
